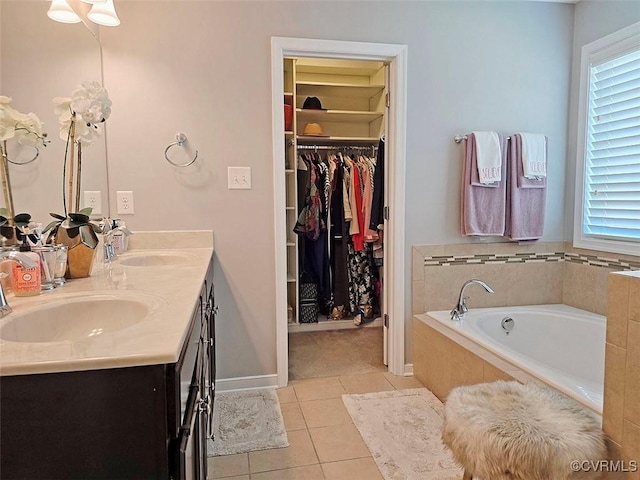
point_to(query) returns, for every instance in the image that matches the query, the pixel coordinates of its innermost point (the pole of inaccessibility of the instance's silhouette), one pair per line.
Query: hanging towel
(488, 157)
(483, 206)
(534, 155)
(526, 198)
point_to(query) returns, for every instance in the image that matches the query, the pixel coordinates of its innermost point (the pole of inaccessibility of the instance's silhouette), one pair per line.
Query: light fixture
(103, 13)
(60, 11)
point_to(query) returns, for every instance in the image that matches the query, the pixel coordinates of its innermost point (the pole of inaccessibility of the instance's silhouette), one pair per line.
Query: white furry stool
(507, 431)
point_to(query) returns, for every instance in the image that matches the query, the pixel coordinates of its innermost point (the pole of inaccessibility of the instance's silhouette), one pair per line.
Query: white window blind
(612, 174)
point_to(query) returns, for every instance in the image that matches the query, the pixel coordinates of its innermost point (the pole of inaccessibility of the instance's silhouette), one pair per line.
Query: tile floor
(324, 442)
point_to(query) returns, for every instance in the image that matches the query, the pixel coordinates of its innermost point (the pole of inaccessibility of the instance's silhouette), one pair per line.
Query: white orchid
(25, 128)
(91, 101)
(80, 117)
(91, 104)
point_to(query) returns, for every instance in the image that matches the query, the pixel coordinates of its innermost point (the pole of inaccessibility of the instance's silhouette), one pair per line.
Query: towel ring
(181, 138)
(28, 161)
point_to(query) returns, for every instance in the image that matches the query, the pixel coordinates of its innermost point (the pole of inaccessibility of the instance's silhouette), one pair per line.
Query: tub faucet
(461, 307)
(23, 260)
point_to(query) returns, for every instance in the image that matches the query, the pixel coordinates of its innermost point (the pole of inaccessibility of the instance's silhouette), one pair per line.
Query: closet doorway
(354, 130)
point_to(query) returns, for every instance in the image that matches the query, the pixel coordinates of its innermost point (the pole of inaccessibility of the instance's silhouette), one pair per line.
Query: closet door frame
(396, 57)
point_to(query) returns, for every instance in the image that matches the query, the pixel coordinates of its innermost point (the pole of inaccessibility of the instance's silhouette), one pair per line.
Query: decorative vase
(81, 242)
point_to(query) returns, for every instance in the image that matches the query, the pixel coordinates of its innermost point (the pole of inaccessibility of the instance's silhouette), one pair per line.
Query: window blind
(612, 181)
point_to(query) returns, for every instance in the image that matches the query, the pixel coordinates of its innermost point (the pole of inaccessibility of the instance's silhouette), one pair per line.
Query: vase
(81, 242)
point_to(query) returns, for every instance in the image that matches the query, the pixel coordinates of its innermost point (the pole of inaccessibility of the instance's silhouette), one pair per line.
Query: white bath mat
(403, 429)
(246, 421)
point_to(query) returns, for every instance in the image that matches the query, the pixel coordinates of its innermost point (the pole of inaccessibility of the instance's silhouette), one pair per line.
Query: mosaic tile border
(596, 261)
(510, 258)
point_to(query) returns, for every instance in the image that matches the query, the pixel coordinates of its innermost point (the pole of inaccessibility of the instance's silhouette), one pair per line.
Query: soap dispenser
(26, 281)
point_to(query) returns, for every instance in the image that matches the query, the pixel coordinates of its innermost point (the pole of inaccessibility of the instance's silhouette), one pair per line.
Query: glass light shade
(60, 11)
(104, 14)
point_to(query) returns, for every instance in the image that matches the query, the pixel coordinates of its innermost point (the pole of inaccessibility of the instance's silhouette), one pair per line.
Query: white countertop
(156, 340)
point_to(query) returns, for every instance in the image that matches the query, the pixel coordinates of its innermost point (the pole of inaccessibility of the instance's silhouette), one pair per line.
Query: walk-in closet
(335, 123)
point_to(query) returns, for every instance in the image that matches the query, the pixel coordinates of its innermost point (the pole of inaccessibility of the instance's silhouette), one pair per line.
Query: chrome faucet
(461, 307)
(23, 260)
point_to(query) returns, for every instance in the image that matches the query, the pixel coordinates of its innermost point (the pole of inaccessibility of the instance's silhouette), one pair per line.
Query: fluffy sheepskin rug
(509, 431)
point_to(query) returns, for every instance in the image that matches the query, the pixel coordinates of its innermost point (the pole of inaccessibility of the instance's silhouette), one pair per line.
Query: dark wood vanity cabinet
(140, 422)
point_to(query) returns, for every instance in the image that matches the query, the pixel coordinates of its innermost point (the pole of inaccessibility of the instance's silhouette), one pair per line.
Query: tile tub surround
(581, 278)
(444, 359)
(146, 343)
(533, 274)
(621, 420)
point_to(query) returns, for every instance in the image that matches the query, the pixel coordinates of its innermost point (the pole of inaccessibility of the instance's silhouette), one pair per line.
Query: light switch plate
(93, 199)
(125, 202)
(239, 178)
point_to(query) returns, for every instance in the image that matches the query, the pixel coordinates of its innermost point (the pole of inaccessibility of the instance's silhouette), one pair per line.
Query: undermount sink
(76, 318)
(155, 259)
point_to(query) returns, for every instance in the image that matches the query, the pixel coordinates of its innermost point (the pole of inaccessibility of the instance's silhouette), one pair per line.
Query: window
(608, 173)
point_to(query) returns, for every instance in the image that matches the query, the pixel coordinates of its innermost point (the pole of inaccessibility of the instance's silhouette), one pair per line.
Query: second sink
(77, 318)
(156, 259)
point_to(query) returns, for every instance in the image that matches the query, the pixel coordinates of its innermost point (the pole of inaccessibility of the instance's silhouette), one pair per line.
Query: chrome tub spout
(461, 307)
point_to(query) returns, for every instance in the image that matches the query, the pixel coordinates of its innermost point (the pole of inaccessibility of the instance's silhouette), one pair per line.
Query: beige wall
(621, 419)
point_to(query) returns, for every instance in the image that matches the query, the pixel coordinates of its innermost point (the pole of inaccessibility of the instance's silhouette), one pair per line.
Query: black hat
(312, 103)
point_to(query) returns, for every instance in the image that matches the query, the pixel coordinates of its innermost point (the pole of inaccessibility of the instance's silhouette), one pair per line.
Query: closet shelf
(342, 116)
(289, 170)
(288, 133)
(288, 94)
(290, 208)
(290, 277)
(324, 89)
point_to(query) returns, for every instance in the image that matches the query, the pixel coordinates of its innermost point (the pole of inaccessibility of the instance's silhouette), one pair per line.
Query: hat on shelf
(313, 130)
(312, 103)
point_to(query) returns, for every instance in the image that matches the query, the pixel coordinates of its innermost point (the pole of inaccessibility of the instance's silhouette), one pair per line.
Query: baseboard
(408, 369)
(246, 383)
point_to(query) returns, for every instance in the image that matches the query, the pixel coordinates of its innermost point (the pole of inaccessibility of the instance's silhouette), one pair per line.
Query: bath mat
(402, 429)
(246, 421)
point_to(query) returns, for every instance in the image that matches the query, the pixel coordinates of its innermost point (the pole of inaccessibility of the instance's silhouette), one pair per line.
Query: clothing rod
(460, 138)
(335, 147)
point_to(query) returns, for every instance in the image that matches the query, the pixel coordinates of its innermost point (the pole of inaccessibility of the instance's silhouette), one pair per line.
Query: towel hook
(181, 139)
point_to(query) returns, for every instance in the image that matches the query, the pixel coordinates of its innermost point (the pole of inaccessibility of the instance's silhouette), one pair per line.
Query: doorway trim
(396, 57)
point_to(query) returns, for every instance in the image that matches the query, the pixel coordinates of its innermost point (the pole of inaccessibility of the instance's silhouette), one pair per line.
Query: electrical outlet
(93, 199)
(125, 202)
(239, 178)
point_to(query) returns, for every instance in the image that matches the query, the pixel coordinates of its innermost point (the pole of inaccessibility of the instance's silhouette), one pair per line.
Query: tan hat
(313, 129)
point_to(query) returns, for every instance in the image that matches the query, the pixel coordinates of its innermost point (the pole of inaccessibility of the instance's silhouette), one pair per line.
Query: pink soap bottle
(26, 281)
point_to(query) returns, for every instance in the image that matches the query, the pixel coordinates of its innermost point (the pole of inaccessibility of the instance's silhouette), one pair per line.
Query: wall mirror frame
(41, 59)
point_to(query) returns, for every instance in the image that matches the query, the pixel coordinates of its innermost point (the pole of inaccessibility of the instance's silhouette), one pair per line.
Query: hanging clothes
(336, 240)
(339, 244)
(377, 202)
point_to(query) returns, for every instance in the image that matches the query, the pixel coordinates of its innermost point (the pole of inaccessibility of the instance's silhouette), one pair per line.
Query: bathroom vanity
(112, 396)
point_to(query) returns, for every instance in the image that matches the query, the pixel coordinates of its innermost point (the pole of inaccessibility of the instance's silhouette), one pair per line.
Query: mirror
(42, 59)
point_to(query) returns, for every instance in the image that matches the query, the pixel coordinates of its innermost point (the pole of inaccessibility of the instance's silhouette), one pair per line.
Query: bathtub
(561, 345)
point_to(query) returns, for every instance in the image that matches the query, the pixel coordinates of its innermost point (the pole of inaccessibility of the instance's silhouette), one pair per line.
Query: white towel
(534, 155)
(488, 157)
